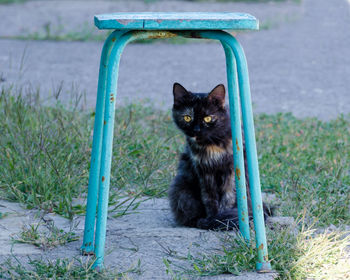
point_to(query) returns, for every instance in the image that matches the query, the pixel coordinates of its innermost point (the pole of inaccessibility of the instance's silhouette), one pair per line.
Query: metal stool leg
(107, 143)
(252, 159)
(248, 125)
(95, 163)
(121, 40)
(237, 145)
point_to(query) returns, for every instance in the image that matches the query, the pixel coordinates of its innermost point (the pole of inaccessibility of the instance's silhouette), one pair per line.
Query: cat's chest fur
(211, 157)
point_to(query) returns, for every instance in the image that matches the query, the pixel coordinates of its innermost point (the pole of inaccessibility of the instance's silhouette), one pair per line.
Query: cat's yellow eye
(187, 118)
(207, 119)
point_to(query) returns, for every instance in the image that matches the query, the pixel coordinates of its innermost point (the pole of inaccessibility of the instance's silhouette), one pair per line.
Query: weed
(3, 215)
(296, 256)
(60, 269)
(45, 238)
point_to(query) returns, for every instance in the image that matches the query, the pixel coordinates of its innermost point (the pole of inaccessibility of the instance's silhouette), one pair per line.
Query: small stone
(270, 199)
(281, 221)
(331, 228)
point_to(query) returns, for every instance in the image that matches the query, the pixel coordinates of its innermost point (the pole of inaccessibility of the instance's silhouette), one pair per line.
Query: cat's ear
(218, 95)
(179, 93)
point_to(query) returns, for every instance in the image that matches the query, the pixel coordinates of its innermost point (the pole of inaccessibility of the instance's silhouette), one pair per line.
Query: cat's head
(201, 116)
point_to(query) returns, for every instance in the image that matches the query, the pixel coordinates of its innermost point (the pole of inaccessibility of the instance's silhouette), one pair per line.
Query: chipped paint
(124, 21)
(261, 246)
(238, 173)
(103, 178)
(237, 145)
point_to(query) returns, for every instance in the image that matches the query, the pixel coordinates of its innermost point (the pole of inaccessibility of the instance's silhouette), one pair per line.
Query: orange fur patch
(213, 149)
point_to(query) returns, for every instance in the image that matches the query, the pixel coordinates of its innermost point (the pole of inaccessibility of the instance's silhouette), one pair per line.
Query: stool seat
(177, 21)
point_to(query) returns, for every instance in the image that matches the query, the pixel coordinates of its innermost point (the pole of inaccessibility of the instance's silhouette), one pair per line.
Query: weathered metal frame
(239, 94)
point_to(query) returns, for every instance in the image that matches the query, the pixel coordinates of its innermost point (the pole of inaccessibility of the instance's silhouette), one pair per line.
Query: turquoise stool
(134, 26)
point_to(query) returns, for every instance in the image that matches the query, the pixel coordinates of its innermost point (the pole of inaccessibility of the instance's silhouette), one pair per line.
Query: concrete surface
(148, 235)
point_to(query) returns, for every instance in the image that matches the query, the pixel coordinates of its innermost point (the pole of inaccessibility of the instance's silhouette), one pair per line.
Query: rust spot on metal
(113, 39)
(261, 246)
(161, 34)
(112, 97)
(238, 173)
(244, 197)
(89, 243)
(242, 219)
(103, 178)
(266, 258)
(237, 145)
(104, 122)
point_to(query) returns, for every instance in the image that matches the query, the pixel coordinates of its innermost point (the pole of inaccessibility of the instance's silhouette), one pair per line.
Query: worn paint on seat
(177, 21)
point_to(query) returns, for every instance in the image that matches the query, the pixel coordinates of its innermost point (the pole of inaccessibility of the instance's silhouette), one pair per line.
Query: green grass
(305, 162)
(46, 154)
(11, 1)
(87, 33)
(60, 269)
(296, 255)
(44, 235)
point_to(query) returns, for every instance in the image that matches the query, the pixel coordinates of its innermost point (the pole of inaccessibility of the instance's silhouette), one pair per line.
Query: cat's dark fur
(203, 192)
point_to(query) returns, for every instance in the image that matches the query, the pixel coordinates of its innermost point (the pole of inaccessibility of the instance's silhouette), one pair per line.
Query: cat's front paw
(202, 223)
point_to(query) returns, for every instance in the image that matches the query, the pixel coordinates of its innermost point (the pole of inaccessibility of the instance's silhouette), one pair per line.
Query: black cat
(203, 192)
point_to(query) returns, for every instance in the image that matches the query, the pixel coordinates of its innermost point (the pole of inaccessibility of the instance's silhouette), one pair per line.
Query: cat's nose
(196, 128)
